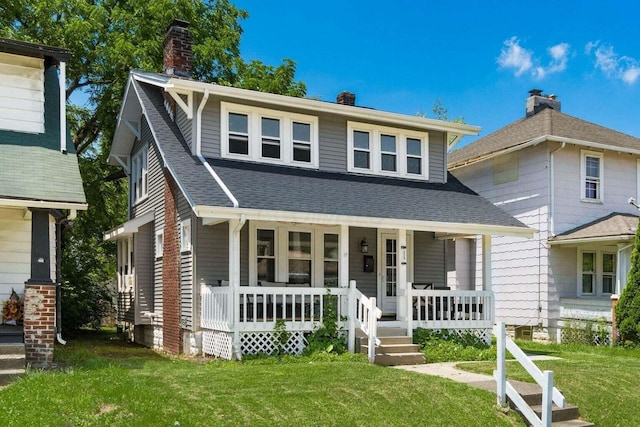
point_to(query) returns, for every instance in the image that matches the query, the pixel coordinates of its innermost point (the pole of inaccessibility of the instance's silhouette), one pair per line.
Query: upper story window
(387, 151)
(591, 178)
(185, 235)
(21, 93)
(139, 179)
(269, 136)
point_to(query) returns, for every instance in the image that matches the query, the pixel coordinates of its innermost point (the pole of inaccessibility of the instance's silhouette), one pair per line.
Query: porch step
(11, 334)
(394, 351)
(12, 362)
(562, 417)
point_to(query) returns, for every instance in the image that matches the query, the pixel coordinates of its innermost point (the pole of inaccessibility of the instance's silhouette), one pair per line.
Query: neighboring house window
(597, 273)
(185, 235)
(159, 243)
(270, 136)
(387, 151)
(22, 93)
(301, 256)
(591, 176)
(139, 172)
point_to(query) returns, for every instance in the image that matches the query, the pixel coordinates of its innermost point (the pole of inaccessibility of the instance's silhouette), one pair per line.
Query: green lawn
(103, 381)
(603, 382)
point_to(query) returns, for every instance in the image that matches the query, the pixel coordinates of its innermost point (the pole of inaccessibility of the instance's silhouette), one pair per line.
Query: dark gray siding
(144, 259)
(184, 125)
(186, 265)
(333, 143)
(437, 150)
(428, 259)
(367, 283)
(212, 253)
(211, 129)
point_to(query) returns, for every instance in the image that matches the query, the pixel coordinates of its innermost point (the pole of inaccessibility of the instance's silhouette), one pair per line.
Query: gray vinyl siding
(428, 259)
(184, 125)
(244, 255)
(437, 159)
(211, 129)
(212, 253)
(144, 265)
(333, 143)
(367, 283)
(186, 264)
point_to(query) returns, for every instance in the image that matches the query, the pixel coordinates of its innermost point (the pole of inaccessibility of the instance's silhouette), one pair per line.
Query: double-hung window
(139, 179)
(387, 151)
(591, 176)
(596, 272)
(269, 136)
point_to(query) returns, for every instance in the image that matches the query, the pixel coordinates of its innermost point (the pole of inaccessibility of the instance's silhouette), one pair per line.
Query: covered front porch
(291, 274)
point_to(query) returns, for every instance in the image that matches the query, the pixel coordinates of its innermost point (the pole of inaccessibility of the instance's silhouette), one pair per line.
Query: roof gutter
(204, 162)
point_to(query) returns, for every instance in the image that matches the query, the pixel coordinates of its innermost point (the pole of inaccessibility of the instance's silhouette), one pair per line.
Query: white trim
(254, 135)
(158, 243)
(598, 272)
(128, 228)
(638, 179)
(139, 172)
(42, 204)
(62, 78)
(185, 235)
(375, 150)
(360, 221)
(308, 104)
(612, 239)
(583, 176)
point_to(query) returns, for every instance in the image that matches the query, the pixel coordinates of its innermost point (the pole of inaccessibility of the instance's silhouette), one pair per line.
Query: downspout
(204, 162)
(59, 223)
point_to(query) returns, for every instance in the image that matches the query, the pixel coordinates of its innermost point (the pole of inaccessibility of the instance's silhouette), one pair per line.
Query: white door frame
(404, 272)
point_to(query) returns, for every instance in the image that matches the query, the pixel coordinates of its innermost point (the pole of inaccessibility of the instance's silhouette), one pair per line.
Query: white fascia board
(357, 221)
(602, 239)
(123, 135)
(42, 204)
(310, 104)
(129, 227)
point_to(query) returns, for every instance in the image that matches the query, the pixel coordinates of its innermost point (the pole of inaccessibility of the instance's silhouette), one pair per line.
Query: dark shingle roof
(547, 122)
(280, 188)
(612, 225)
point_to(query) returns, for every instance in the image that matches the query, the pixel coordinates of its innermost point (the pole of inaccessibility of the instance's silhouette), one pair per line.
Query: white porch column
(486, 262)
(343, 264)
(401, 280)
(234, 279)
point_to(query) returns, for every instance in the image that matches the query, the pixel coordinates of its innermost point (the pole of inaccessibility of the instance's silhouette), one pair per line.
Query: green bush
(327, 338)
(628, 308)
(448, 346)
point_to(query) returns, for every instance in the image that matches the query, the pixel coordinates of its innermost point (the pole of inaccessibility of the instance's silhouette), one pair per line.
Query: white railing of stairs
(363, 314)
(550, 394)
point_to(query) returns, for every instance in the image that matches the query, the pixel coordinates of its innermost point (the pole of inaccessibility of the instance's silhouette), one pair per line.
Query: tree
(108, 38)
(441, 112)
(628, 307)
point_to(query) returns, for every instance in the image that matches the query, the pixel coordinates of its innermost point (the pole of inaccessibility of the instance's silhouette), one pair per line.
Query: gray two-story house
(248, 207)
(571, 181)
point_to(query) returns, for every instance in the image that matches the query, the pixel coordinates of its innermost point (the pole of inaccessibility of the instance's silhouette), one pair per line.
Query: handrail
(550, 394)
(364, 313)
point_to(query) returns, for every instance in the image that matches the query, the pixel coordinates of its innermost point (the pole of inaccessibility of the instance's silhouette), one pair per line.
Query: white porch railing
(217, 311)
(550, 394)
(445, 309)
(363, 314)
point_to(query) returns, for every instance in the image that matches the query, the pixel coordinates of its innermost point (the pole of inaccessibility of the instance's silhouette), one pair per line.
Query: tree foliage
(628, 308)
(107, 39)
(441, 112)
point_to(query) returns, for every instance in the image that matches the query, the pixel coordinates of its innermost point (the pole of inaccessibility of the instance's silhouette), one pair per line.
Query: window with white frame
(387, 151)
(596, 273)
(139, 179)
(269, 136)
(591, 175)
(293, 254)
(159, 243)
(185, 235)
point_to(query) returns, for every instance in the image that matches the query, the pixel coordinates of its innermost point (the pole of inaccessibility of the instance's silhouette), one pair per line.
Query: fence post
(373, 330)
(547, 398)
(351, 313)
(501, 377)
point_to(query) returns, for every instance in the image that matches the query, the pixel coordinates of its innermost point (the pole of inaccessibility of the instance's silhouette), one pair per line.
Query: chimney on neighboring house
(177, 57)
(537, 102)
(346, 98)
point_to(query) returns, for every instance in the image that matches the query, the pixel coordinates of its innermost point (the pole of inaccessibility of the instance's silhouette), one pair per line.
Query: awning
(128, 228)
(615, 227)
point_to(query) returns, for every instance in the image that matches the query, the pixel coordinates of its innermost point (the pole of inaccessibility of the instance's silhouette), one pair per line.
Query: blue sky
(479, 57)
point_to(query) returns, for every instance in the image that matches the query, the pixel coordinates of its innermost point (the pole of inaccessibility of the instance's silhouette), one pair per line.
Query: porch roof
(613, 227)
(261, 187)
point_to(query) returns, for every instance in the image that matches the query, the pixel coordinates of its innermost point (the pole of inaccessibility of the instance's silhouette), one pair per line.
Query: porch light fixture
(364, 247)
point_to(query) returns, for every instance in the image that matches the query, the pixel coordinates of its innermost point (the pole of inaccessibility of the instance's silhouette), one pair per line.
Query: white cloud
(611, 64)
(522, 60)
(514, 56)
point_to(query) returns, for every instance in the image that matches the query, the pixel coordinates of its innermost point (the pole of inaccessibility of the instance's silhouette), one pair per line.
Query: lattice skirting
(583, 332)
(482, 334)
(217, 343)
(265, 343)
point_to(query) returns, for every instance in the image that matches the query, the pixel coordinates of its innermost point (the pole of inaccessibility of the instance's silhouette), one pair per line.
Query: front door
(390, 260)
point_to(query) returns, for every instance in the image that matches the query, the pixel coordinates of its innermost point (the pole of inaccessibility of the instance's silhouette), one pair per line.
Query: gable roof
(549, 125)
(34, 50)
(615, 226)
(260, 188)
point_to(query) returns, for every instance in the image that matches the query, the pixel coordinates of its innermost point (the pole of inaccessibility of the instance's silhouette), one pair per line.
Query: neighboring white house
(570, 180)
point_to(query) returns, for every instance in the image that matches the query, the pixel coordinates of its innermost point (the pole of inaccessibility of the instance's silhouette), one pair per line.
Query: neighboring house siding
(22, 93)
(519, 265)
(428, 259)
(367, 283)
(144, 267)
(15, 251)
(619, 183)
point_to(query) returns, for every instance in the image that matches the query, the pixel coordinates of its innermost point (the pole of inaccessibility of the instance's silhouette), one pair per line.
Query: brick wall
(39, 323)
(171, 336)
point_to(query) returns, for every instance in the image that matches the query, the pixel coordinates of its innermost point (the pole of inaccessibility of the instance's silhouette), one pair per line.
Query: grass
(601, 381)
(103, 381)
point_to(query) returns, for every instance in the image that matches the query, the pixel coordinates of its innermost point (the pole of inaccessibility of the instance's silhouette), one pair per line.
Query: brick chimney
(346, 98)
(537, 102)
(177, 56)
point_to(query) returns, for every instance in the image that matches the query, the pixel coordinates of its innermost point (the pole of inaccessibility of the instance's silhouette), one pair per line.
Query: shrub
(327, 337)
(449, 346)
